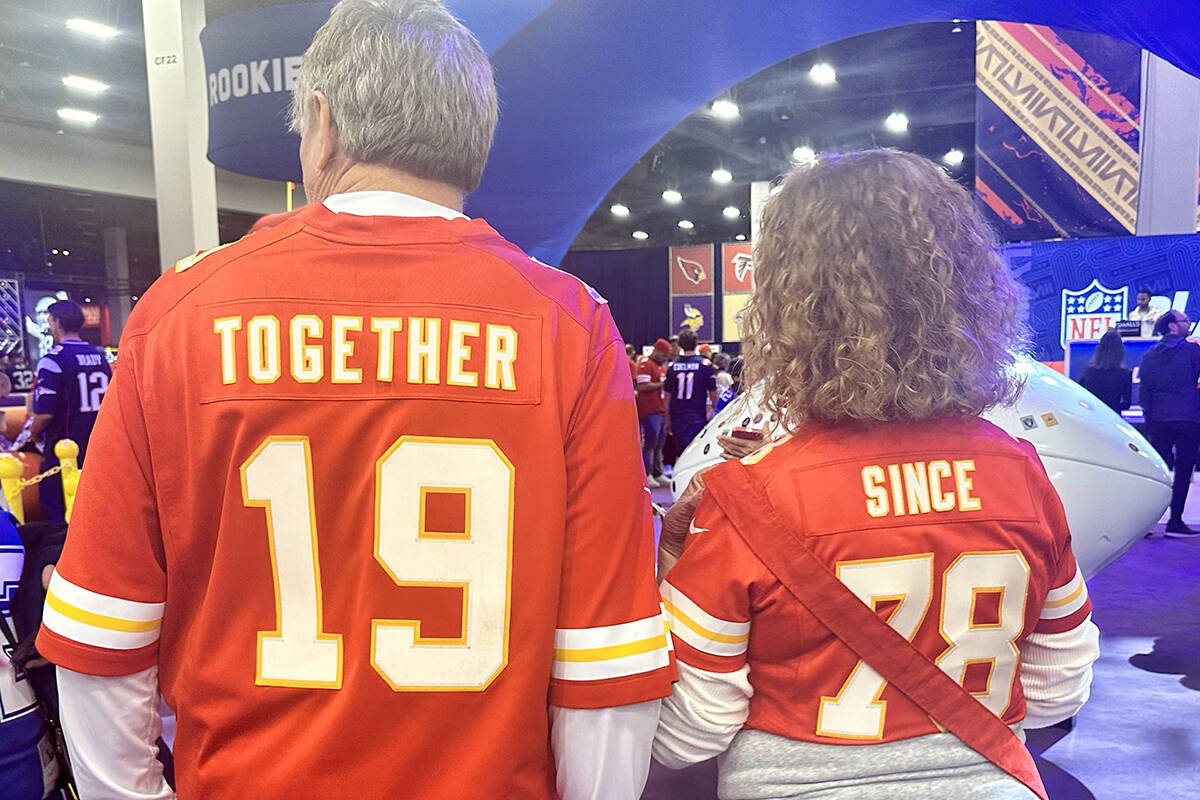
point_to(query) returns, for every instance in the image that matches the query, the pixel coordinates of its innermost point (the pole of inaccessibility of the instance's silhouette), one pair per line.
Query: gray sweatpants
(762, 766)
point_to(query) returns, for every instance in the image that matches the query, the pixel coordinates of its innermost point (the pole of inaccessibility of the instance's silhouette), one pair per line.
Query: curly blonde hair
(880, 297)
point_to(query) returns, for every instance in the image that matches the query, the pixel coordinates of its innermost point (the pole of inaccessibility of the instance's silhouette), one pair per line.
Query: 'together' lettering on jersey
(919, 488)
(342, 349)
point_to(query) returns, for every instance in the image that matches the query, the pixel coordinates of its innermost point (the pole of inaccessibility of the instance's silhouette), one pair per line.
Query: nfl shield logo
(1088, 313)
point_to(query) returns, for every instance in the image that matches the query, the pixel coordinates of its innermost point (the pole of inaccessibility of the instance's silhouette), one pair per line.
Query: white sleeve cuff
(702, 715)
(112, 727)
(603, 753)
(1056, 673)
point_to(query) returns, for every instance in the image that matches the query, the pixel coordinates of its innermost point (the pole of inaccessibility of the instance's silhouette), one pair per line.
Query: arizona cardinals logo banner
(1057, 131)
(737, 284)
(692, 290)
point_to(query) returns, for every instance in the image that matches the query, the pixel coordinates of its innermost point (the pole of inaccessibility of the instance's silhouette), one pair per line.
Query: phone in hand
(746, 433)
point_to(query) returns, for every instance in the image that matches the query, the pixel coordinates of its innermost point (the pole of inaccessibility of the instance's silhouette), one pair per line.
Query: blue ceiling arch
(589, 85)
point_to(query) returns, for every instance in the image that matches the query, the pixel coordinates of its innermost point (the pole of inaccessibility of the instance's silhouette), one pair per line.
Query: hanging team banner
(692, 290)
(737, 284)
(1057, 131)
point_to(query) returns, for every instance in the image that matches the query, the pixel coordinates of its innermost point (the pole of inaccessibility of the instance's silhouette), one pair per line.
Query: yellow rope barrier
(12, 485)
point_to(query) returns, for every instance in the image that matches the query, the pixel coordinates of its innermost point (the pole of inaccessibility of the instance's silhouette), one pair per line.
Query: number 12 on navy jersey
(278, 477)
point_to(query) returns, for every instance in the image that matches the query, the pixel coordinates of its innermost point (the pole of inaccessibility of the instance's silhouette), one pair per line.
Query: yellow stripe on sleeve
(99, 620)
(613, 651)
(723, 638)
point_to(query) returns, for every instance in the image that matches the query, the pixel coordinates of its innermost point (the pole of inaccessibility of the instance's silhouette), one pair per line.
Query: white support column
(184, 180)
(1170, 149)
(116, 272)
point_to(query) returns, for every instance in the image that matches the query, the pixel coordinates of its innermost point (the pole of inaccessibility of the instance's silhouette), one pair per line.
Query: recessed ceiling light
(741, 237)
(76, 115)
(80, 25)
(135, 297)
(84, 84)
(672, 196)
(725, 109)
(731, 212)
(896, 122)
(619, 210)
(66, 252)
(956, 29)
(804, 155)
(54, 252)
(954, 157)
(722, 176)
(686, 224)
(822, 74)
(641, 235)
(87, 299)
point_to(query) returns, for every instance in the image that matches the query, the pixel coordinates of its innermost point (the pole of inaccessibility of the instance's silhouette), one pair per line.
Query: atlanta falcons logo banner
(737, 284)
(692, 285)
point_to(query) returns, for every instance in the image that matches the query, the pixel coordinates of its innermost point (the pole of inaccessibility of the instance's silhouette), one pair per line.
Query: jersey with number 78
(950, 530)
(368, 491)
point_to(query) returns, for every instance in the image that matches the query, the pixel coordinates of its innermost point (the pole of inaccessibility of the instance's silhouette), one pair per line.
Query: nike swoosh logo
(693, 529)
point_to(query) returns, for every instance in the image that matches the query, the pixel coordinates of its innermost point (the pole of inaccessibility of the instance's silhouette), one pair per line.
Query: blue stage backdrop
(1076, 286)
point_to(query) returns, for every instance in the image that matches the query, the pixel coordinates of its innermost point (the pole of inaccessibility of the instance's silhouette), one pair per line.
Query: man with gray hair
(350, 501)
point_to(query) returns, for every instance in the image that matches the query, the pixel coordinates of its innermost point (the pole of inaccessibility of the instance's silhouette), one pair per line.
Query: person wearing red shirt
(350, 500)
(651, 414)
(883, 324)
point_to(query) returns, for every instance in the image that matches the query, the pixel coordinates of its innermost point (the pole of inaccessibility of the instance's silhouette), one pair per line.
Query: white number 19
(299, 652)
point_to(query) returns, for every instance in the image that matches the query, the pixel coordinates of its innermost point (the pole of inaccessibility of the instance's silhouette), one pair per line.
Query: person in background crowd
(1106, 375)
(883, 324)
(1144, 313)
(631, 354)
(474, 401)
(721, 365)
(674, 354)
(734, 389)
(72, 379)
(1171, 404)
(651, 414)
(690, 387)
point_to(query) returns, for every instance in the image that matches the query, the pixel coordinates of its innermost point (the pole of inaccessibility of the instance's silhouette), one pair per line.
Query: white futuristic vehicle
(1114, 486)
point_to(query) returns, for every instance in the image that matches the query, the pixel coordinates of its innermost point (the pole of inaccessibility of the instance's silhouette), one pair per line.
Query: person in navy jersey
(71, 381)
(691, 385)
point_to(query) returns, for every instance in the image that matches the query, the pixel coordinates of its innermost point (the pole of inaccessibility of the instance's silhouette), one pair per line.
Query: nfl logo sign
(1088, 313)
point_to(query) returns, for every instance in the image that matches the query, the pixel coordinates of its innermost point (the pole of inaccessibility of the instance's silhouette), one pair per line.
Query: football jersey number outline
(856, 711)
(278, 477)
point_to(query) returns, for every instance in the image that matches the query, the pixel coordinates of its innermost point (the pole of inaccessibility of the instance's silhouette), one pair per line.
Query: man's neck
(375, 178)
(689, 352)
(70, 337)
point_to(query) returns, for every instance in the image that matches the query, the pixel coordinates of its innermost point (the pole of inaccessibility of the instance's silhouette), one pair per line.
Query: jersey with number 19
(356, 491)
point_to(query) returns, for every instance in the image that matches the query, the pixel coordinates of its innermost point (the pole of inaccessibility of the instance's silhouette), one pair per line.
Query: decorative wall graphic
(692, 284)
(737, 284)
(1057, 131)
(1053, 272)
(12, 336)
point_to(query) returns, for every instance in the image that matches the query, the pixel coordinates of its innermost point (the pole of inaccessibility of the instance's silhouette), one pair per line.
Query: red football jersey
(650, 371)
(950, 530)
(368, 491)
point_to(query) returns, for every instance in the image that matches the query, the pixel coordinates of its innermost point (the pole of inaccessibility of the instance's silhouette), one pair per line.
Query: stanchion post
(10, 484)
(67, 452)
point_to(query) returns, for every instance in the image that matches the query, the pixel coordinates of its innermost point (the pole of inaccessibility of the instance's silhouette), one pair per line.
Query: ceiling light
(641, 235)
(956, 29)
(619, 210)
(722, 176)
(66, 252)
(686, 224)
(135, 297)
(84, 84)
(954, 157)
(823, 74)
(87, 299)
(731, 212)
(80, 25)
(804, 155)
(672, 196)
(76, 115)
(54, 252)
(725, 109)
(896, 122)
(741, 237)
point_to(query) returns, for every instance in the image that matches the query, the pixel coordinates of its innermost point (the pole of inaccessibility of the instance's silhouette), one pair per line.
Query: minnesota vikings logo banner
(1057, 131)
(692, 290)
(737, 284)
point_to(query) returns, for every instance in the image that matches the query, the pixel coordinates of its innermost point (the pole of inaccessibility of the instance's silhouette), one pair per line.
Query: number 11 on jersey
(278, 477)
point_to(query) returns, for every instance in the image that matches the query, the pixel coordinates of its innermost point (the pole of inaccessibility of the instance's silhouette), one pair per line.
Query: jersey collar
(387, 204)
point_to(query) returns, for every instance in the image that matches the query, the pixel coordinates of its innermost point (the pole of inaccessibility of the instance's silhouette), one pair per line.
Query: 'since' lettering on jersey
(919, 487)
(477, 560)
(416, 350)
